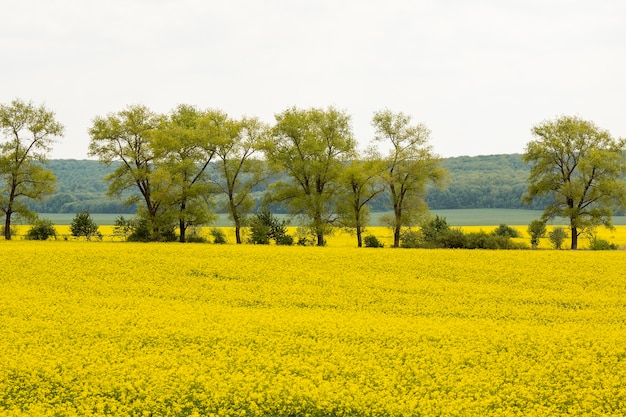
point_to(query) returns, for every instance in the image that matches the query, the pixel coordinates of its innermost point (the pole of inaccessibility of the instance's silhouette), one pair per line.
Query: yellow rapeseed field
(343, 238)
(122, 329)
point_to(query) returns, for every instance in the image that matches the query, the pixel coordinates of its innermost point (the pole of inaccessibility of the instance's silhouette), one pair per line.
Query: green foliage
(433, 228)
(218, 236)
(265, 227)
(124, 227)
(557, 236)
(311, 146)
(536, 230)
(411, 239)
(596, 243)
(410, 167)
(26, 135)
(83, 226)
(581, 167)
(507, 231)
(42, 229)
(372, 241)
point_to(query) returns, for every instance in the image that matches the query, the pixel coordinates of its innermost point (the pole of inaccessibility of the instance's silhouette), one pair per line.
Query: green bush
(411, 239)
(536, 230)
(218, 236)
(42, 229)
(265, 227)
(507, 231)
(601, 244)
(83, 226)
(372, 241)
(452, 238)
(557, 236)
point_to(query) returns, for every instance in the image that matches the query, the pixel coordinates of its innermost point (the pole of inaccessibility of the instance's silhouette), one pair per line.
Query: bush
(372, 242)
(536, 230)
(411, 239)
(83, 225)
(452, 238)
(557, 236)
(601, 244)
(507, 231)
(124, 227)
(433, 228)
(42, 229)
(266, 227)
(218, 236)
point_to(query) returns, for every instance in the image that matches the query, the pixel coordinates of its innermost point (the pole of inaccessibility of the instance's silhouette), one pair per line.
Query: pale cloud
(478, 74)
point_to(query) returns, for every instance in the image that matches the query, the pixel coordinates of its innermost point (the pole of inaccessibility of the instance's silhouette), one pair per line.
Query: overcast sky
(477, 73)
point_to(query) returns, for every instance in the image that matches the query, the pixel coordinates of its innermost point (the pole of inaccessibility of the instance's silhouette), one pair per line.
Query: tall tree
(410, 167)
(581, 166)
(361, 183)
(125, 138)
(239, 172)
(184, 146)
(312, 146)
(28, 132)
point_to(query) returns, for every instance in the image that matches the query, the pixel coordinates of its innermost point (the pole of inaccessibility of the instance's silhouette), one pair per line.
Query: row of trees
(166, 159)
(163, 164)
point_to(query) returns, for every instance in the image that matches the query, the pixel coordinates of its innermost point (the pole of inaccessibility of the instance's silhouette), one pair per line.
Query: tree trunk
(183, 231)
(237, 230)
(396, 236)
(7, 225)
(359, 236)
(574, 238)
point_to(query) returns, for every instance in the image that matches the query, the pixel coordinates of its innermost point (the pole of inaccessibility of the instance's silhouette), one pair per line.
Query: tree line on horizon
(170, 166)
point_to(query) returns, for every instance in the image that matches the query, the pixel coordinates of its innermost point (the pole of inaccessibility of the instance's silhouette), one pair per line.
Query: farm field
(342, 238)
(108, 328)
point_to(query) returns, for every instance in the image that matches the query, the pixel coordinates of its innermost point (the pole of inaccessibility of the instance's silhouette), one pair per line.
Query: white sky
(478, 73)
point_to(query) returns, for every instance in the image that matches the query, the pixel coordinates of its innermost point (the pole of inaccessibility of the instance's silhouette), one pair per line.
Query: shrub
(507, 231)
(265, 227)
(601, 244)
(284, 240)
(452, 238)
(536, 230)
(83, 225)
(124, 227)
(218, 236)
(411, 239)
(433, 228)
(372, 241)
(557, 236)
(42, 229)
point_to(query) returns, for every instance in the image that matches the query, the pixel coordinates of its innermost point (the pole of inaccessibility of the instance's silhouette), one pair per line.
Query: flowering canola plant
(109, 328)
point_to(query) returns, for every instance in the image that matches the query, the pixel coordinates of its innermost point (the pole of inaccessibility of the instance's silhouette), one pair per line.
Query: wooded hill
(493, 181)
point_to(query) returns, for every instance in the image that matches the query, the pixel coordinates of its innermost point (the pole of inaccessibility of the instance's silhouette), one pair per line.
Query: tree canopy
(410, 167)
(28, 132)
(582, 167)
(311, 146)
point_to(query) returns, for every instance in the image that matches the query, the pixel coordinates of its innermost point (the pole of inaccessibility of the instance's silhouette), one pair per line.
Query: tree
(184, 146)
(311, 146)
(410, 167)
(361, 183)
(84, 225)
(537, 231)
(125, 138)
(28, 132)
(581, 167)
(239, 172)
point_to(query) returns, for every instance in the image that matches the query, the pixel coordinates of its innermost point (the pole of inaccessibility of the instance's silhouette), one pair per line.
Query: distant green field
(460, 217)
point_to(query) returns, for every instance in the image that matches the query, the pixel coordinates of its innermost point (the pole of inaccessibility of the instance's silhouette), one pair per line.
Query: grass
(458, 217)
